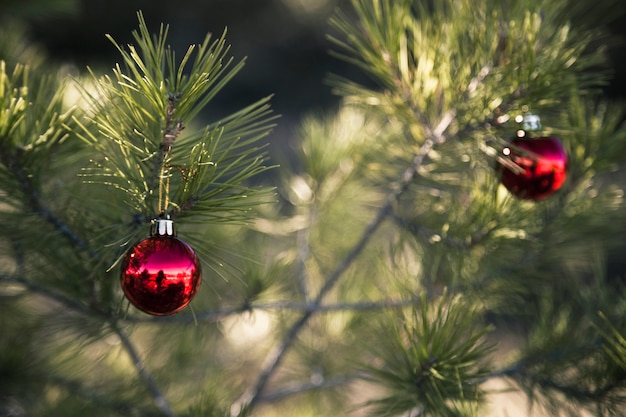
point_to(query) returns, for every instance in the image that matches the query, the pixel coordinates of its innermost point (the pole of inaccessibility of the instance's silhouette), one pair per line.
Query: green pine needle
(139, 119)
(432, 359)
(531, 50)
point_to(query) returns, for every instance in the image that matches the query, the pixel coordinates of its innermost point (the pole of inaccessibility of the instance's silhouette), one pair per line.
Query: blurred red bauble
(161, 274)
(533, 168)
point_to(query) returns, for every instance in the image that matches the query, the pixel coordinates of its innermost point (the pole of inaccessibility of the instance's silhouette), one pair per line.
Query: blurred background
(286, 45)
(285, 42)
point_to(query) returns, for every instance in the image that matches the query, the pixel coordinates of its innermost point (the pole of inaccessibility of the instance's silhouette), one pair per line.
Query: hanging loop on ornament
(164, 187)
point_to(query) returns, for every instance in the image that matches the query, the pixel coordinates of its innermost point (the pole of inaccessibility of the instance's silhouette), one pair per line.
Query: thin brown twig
(171, 131)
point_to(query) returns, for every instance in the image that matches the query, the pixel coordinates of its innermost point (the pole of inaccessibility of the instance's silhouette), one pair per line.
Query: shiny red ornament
(533, 168)
(161, 274)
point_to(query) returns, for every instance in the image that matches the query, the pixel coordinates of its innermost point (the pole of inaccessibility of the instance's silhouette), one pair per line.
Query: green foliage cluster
(432, 359)
(393, 275)
(144, 108)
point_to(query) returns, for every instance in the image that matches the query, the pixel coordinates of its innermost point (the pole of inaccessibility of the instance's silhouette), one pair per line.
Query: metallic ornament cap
(162, 227)
(531, 122)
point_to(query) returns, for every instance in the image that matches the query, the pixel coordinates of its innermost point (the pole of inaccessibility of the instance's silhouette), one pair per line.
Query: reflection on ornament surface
(160, 275)
(534, 169)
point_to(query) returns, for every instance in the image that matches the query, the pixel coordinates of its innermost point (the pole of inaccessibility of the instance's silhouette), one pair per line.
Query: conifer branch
(299, 388)
(214, 315)
(308, 307)
(141, 110)
(430, 358)
(31, 127)
(34, 203)
(119, 407)
(62, 299)
(451, 241)
(157, 395)
(435, 136)
(276, 355)
(303, 252)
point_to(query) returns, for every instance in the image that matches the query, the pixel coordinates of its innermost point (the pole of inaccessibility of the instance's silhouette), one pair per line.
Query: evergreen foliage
(393, 275)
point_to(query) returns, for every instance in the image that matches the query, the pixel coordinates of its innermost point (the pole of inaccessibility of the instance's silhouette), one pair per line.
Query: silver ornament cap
(162, 227)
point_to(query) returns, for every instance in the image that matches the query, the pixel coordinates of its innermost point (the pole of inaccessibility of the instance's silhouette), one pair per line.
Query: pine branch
(138, 114)
(157, 395)
(75, 387)
(451, 241)
(213, 315)
(60, 298)
(35, 204)
(276, 355)
(299, 388)
(304, 250)
(431, 358)
(434, 136)
(308, 307)
(32, 126)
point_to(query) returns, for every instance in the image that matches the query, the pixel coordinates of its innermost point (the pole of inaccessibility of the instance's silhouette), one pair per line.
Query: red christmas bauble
(161, 274)
(534, 168)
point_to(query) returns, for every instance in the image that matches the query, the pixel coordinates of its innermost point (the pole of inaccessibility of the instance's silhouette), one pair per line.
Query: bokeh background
(285, 43)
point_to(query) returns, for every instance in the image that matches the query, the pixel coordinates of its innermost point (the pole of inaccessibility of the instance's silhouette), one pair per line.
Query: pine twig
(157, 396)
(215, 315)
(212, 315)
(276, 355)
(117, 406)
(331, 308)
(450, 241)
(313, 385)
(34, 202)
(304, 249)
(170, 133)
(67, 302)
